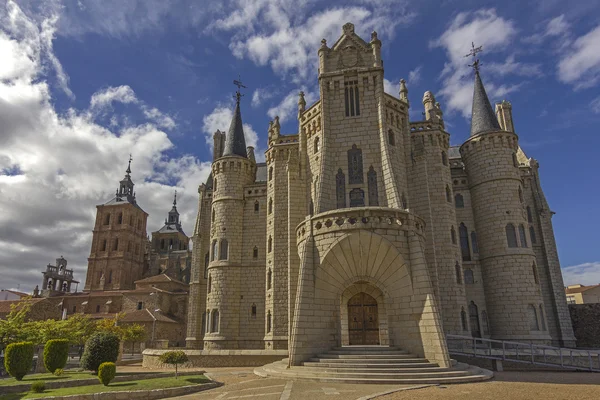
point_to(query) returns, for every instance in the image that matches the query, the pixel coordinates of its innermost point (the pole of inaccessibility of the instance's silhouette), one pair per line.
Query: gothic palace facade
(369, 228)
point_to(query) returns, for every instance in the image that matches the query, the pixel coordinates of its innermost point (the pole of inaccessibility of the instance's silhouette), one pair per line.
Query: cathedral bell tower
(118, 241)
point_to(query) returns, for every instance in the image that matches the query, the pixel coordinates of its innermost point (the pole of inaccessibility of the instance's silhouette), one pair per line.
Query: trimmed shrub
(173, 358)
(18, 359)
(38, 387)
(58, 371)
(107, 372)
(100, 348)
(56, 354)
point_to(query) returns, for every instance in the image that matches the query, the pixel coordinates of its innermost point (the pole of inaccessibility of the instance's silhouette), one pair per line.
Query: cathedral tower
(117, 256)
(513, 294)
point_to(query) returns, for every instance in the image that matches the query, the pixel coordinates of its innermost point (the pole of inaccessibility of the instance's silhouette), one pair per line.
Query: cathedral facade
(367, 228)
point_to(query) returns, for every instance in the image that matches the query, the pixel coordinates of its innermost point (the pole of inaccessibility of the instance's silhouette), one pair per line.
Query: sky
(85, 83)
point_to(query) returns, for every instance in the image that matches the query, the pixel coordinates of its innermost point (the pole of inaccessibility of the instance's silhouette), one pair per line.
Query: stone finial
(323, 43)
(276, 126)
(403, 90)
(348, 28)
(374, 37)
(301, 102)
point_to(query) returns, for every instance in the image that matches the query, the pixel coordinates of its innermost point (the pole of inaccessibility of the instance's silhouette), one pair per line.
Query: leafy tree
(107, 372)
(101, 347)
(56, 354)
(38, 387)
(174, 358)
(18, 359)
(133, 333)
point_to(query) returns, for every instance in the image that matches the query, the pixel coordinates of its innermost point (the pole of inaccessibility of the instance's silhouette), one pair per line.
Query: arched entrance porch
(363, 316)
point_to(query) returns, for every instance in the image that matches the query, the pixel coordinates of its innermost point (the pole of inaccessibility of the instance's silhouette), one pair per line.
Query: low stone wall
(139, 394)
(92, 380)
(586, 324)
(217, 358)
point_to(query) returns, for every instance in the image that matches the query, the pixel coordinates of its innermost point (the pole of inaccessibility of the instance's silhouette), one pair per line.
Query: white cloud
(512, 67)
(391, 88)
(580, 65)
(55, 167)
(585, 274)
(414, 76)
(220, 118)
(279, 33)
(557, 29)
(595, 105)
(260, 95)
(288, 107)
(492, 32)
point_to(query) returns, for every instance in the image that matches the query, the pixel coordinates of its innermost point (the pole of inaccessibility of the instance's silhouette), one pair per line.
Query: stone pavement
(241, 383)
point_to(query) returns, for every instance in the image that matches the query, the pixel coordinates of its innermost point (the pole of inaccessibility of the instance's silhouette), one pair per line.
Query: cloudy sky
(84, 83)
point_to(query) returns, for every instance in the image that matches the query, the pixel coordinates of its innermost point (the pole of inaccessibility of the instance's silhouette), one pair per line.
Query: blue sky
(85, 83)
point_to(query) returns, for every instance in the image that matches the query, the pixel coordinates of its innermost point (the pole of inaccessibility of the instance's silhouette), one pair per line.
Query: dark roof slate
(483, 118)
(235, 142)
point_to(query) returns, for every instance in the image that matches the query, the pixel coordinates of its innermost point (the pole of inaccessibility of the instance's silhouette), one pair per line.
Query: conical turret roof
(235, 142)
(483, 118)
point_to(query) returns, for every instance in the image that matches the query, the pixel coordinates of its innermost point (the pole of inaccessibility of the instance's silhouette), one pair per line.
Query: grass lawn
(68, 375)
(145, 384)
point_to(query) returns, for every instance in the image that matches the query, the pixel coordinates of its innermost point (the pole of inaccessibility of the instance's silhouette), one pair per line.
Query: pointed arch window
(372, 186)
(256, 206)
(104, 245)
(444, 158)
(270, 173)
(269, 244)
(520, 194)
(469, 277)
(209, 284)
(215, 185)
(215, 321)
(463, 232)
(463, 318)
(391, 138)
(270, 206)
(536, 278)
(458, 272)
(351, 100)
(355, 165)
(107, 219)
(459, 201)
(317, 145)
(120, 218)
(214, 250)
(255, 252)
(453, 235)
(522, 236)
(340, 189)
(269, 321)
(208, 321)
(253, 310)
(206, 261)
(529, 215)
(474, 243)
(511, 236)
(448, 194)
(213, 215)
(404, 202)
(533, 321)
(532, 235)
(224, 250)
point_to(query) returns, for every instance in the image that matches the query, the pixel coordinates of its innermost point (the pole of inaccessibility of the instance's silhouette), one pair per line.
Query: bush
(173, 358)
(56, 354)
(18, 359)
(100, 348)
(107, 372)
(38, 387)
(58, 371)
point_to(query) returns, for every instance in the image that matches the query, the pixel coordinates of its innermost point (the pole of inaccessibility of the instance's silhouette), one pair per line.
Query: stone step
(386, 374)
(467, 374)
(379, 367)
(367, 356)
(371, 349)
(337, 364)
(368, 360)
(369, 353)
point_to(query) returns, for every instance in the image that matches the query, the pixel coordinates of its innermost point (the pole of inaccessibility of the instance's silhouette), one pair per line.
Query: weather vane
(473, 53)
(238, 82)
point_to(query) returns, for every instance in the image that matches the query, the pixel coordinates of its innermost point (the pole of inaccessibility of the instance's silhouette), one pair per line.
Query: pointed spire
(175, 200)
(483, 118)
(235, 142)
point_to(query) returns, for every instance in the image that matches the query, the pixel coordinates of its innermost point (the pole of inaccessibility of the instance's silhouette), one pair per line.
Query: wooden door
(363, 321)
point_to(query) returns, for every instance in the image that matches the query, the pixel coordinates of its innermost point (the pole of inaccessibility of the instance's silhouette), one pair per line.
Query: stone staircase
(374, 364)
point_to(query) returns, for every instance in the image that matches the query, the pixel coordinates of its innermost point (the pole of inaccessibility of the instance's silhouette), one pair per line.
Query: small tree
(18, 359)
(174, 358)
(133, 333)
(101, 347)
(56, 354)
(107, 372)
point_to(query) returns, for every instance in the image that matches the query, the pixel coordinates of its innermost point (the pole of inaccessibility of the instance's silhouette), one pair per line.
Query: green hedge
(38, 387)
(100, 348)
(18, 359)
(56, 354)
(107, 372)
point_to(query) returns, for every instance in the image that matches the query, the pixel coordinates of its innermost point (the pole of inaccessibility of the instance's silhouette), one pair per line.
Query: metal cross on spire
(473, 53)
(239, 84)
(129, 164)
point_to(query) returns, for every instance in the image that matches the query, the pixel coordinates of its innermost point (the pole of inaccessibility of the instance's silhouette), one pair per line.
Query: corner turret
(504, 115)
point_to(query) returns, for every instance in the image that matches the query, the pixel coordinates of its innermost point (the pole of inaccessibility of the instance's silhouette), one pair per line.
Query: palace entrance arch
(363, 320)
